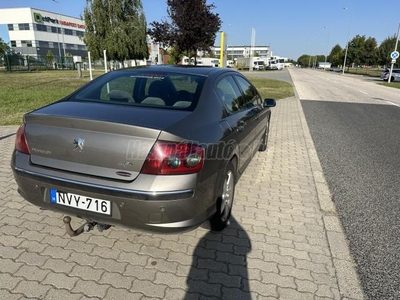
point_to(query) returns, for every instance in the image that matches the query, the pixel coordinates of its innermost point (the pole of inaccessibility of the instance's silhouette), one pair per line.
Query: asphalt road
(355, 126)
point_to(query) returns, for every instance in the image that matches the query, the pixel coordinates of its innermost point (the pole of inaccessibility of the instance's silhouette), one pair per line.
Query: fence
(15, 62)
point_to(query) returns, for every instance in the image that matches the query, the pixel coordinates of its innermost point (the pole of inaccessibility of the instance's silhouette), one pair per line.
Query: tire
(264, 140)
(225, 201)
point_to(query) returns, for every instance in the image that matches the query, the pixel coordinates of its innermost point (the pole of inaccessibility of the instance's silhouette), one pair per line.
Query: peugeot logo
(79, 144)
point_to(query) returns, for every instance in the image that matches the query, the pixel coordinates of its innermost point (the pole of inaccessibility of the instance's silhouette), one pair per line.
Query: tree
(370, 52)
(305, 60)
(4, 48)
(49, 57)
(118, 26)
(356, 50)
(175, 56)
(336, 56)
(384, 50)
(192, 26)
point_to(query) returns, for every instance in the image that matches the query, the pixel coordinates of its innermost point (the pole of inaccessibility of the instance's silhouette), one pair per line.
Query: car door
(256, 118)
(237, 118)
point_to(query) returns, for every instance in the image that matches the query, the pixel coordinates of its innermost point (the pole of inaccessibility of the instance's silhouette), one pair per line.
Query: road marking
(364, 92)
(395, 104)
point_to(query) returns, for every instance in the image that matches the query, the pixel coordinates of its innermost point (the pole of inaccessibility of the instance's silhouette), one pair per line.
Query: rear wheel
(225, 202)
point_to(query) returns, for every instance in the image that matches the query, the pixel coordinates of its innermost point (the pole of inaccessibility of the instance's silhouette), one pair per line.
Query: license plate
(81, 202)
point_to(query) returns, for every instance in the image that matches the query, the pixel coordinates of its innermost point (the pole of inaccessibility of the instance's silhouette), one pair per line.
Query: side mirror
(269, 102)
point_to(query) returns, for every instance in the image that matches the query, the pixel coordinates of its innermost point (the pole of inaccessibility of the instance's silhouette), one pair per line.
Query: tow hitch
(84, 228)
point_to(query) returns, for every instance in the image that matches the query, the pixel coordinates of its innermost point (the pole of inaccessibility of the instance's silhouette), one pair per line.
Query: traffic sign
(393, 61)
(394, 54)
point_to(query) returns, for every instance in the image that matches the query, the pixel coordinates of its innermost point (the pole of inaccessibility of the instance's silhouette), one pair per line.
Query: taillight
(169, 158)
(20, 141)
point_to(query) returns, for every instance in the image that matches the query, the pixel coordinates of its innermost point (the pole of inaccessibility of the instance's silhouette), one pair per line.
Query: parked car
(395, 75)
(157, 148)
(335, 69)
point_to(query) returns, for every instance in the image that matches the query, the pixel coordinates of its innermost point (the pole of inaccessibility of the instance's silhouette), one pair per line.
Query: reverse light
(170, 158)
(20, 140)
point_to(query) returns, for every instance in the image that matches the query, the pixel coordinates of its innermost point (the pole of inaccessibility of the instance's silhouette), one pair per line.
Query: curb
(348, 281)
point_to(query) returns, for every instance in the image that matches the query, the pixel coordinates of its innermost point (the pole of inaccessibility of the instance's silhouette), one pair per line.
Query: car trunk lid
(112, 144)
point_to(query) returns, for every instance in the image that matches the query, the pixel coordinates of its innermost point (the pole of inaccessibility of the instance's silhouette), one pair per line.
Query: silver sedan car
(154, 148)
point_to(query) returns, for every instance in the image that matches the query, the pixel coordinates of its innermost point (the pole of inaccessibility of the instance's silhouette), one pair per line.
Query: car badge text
(79, 143)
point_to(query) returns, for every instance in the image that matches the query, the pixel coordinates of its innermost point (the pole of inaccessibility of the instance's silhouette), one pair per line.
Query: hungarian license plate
(80, 202)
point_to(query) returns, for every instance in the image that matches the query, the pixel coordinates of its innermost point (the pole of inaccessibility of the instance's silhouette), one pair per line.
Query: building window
(41, 27)
(71, 46)
(80, 33)
(51, 45)
(55, 29)
(68, 32)
(13, 44)
(23, 26)
(26, 43)
(10, 27)
(43, 44)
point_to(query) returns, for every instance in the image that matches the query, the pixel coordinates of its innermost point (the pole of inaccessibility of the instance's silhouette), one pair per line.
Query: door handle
(241, 126)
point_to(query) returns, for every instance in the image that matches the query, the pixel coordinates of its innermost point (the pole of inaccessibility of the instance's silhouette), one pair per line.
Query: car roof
(179, 69)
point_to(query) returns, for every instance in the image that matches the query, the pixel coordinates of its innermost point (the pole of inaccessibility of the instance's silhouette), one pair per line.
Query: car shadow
(219, 265)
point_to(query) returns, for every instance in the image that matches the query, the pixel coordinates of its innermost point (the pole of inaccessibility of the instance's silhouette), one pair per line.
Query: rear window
(145, 88)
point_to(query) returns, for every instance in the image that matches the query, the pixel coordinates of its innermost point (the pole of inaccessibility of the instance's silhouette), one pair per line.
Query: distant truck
(208, 62)
(201, 61)
(276, 63)
(253, 63)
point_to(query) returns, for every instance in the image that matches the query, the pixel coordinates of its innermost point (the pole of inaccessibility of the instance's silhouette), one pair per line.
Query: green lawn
(271, 88)
(395, 85)
(21, 92)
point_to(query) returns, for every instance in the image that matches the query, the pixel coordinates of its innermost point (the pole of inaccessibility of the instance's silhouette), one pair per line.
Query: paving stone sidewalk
(284, 242)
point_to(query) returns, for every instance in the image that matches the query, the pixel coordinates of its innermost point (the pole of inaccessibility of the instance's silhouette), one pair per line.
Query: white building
(33, 32)
(235, 52)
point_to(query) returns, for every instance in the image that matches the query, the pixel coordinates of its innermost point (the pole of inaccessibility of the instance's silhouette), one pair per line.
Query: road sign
(393, 61)
(394, 54)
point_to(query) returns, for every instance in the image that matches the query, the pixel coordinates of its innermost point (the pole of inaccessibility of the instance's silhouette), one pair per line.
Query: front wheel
(225, 202)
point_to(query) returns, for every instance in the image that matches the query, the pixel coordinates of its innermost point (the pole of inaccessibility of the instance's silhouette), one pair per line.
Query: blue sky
(291, 29)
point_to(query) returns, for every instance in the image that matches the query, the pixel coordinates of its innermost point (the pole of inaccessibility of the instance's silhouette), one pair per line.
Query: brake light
(20, 140)
(170, 158)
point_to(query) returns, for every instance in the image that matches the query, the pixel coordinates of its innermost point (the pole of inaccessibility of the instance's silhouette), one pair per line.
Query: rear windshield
(145, 88)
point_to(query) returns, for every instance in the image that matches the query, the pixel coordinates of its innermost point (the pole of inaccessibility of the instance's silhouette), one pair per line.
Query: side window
(250, 96)
(229, 93)
(119, 89)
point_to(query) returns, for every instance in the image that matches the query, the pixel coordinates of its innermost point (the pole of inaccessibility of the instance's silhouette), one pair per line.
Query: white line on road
(364, 92)
(395, 104)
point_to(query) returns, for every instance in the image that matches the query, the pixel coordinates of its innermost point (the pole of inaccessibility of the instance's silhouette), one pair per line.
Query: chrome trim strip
(104, 186)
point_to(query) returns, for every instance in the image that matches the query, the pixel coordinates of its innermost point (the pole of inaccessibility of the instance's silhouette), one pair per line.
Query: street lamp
(347, 43)
(309, 61)
(327, 45)
(59, 26)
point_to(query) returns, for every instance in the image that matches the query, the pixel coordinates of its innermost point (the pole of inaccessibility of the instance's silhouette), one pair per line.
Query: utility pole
(252, 44)
(347, 43)
(327, 46)
(395, 49)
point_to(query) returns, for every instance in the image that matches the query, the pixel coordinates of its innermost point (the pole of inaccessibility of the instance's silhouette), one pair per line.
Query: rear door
(251, 104)
(238, 118)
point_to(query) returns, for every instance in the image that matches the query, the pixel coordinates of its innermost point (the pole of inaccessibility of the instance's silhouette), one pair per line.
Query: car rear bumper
(163, 212)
